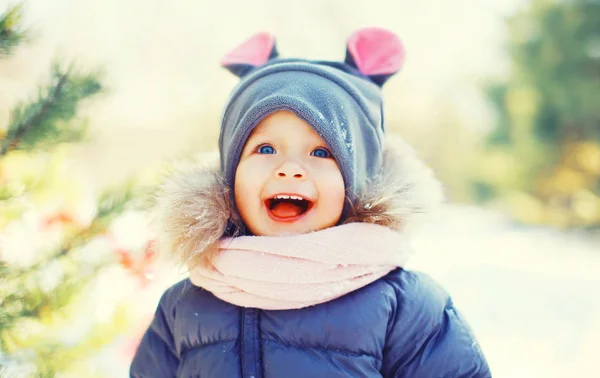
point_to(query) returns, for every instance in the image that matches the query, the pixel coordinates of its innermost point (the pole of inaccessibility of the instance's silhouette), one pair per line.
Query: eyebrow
(265, 137)
(257, 130)
(255, 137)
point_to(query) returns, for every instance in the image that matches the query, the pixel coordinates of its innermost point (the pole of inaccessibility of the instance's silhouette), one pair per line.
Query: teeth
(283, 196)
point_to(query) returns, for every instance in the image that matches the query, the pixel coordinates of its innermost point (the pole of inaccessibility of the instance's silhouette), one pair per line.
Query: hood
(193, 209)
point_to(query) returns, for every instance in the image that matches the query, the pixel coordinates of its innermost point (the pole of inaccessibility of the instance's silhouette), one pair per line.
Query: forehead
(284, 123)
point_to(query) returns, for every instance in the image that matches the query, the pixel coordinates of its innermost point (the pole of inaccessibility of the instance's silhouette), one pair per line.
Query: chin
(287, 231)
(271, 227)
(291, 230)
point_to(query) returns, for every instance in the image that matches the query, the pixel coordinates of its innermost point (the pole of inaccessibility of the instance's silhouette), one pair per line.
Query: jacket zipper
(250, 344)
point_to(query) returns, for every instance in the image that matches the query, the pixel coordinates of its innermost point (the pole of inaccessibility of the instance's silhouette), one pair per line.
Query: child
(295, 246)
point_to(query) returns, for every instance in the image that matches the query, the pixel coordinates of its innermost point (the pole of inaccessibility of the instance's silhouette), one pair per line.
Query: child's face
(287, 182)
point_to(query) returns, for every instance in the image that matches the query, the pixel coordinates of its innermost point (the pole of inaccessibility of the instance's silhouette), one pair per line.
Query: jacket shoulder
(417, 292)
(427, 335)
(174, 294)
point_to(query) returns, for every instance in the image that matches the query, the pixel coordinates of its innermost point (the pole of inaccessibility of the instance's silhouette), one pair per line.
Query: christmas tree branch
(58, 357)
(45, 122)
(19, 298)
(11, 33)
(27, 299)
(21, 129)
(111, 204)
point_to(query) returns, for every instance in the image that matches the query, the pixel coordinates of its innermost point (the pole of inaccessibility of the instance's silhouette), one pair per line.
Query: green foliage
(35, 312)
(501, 135)
(47, 121)
(26, 301)
(548, 115)
(11, 32)
(22, 295)
(554, 88)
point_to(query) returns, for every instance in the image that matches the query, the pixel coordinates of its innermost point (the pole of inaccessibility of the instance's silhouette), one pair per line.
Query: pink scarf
(290, 272)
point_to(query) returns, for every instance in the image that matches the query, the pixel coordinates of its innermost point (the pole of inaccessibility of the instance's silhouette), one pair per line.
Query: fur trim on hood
(193, 207)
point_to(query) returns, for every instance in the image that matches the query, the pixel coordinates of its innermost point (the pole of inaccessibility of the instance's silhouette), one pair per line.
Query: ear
(254, 52)
(375, 52)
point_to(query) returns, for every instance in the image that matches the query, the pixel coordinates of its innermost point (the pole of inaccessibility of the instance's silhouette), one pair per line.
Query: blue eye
(266, 149)
(321, 153)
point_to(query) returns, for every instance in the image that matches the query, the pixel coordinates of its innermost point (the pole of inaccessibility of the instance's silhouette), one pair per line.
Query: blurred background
(500, 97)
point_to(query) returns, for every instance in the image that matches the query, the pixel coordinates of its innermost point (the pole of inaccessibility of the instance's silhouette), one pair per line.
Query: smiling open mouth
(287, 207)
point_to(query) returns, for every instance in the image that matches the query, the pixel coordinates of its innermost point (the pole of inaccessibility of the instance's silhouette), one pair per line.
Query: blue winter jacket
(402, 325)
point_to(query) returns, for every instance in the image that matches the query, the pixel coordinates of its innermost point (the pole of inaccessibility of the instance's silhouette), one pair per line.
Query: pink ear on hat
(254, 52)
(375, 52)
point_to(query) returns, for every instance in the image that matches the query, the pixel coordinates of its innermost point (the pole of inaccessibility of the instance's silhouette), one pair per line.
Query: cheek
(242, 190)
(332, 190)
(247, 188)
(339, 194)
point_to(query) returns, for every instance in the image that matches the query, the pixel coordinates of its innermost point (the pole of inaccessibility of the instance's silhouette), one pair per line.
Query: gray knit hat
(340, 100)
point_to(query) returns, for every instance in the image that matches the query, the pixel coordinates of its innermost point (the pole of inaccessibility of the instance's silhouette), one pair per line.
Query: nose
(290, 169)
